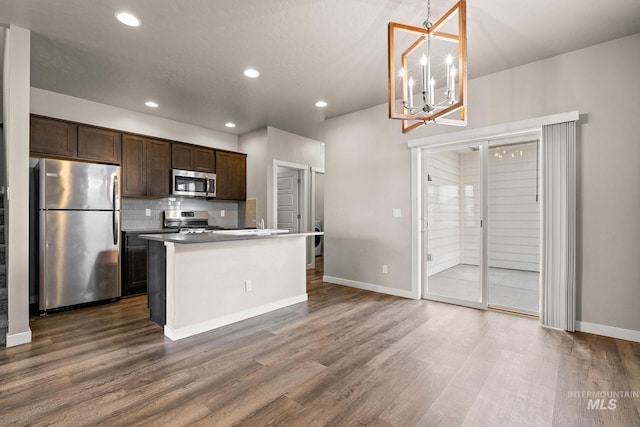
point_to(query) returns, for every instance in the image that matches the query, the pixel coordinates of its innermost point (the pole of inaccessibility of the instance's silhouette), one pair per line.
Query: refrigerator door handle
(115, 212)
(115, 227)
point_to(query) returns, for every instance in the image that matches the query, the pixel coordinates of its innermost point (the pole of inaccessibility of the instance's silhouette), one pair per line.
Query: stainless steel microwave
(191, 183)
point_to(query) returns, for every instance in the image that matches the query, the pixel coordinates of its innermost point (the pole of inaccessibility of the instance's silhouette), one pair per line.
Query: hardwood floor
(347, 357)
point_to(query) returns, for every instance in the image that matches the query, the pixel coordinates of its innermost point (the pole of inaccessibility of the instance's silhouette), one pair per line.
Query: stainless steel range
(189, 222)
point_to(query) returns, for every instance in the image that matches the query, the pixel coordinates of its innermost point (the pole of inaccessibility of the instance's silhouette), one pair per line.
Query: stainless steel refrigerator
(79, 227)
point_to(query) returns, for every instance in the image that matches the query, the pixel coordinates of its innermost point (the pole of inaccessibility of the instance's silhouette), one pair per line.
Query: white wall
(263, 147)
(369, 166)
(444, 236)
(289, 147)
(470, 204)
(52, 104)
(319, 214)
(254, 144)
(16, 132)
(514, 213)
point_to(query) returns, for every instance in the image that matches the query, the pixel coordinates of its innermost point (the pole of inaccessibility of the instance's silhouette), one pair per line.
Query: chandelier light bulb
(410, 84)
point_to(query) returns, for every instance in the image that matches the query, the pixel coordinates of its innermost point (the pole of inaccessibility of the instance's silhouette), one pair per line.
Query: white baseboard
(369, 287)
(188, 331)
(608, 331)
(18, 339)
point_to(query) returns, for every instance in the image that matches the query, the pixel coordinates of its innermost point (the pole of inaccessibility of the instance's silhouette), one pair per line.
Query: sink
(251, 232)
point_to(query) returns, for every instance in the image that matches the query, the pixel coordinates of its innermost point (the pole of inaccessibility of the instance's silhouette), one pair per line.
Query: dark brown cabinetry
(231, 175)
(67, 140)
(181, 156)
(134, 264)
(146, 166)
(192, 157)
(146, 162)
(158, 167)
(204, 159)
(53, 137)
(97, 144)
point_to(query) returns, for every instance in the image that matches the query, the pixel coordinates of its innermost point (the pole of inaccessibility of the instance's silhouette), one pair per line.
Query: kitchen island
(199, 282)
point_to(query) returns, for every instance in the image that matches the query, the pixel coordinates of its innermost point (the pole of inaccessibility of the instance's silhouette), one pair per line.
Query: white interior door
(289, 200)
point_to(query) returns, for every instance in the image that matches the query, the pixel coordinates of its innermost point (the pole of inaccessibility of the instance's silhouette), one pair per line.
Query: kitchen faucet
(259, 224)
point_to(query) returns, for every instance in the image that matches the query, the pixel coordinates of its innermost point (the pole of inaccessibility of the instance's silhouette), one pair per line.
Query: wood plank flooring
(347, 357)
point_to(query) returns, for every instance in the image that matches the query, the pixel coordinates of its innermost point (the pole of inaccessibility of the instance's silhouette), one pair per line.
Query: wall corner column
(16, 102)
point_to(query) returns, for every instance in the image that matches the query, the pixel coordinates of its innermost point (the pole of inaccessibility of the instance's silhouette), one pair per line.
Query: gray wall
(368, 166)
(255, 145)
(263, 147)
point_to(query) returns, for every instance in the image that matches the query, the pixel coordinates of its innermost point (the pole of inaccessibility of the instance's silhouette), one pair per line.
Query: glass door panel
(514, 227)
(453, 243)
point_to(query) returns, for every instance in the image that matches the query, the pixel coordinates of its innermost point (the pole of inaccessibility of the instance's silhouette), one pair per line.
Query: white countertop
(213, 237)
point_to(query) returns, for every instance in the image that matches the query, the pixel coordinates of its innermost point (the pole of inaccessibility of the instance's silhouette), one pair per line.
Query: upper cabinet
(53, 137)
(97, 144)
(231, 175)
(181, 156)
(146, 162)
(58, 138)
(146, 166)
(192, 157)
(204, 159)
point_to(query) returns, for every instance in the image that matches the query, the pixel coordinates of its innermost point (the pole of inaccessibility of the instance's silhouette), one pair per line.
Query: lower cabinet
(134, 264)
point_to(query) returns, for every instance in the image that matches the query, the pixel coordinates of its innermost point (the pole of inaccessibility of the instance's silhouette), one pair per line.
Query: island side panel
(206, 283)
(156, 267)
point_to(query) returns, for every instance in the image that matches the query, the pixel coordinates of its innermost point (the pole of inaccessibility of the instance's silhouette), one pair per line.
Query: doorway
(317, 214)
(482, 230)
(288, 188)
(288, 182)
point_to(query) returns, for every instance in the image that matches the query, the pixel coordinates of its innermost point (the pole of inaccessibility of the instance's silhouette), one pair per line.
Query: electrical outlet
(222, 213)
(385, 268)
(248, 285)
(147, 212)
(429, 257)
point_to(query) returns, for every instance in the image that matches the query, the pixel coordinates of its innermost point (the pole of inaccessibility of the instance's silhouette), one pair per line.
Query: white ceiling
(189, 55)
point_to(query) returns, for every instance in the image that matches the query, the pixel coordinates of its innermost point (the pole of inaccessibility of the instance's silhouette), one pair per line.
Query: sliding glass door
(514, 227)
(453, 241)
(481, 232)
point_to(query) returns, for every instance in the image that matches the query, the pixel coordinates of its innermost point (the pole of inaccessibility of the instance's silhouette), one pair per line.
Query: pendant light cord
(427, 24)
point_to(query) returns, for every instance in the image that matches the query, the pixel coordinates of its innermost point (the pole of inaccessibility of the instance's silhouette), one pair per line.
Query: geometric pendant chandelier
(428, 70)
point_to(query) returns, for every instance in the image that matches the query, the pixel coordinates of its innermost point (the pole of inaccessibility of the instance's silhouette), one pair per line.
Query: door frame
(303, 200)
(294, 173)
(314, 174)
(483, 172)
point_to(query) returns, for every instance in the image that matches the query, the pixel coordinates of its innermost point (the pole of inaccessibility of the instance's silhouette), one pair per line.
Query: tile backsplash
(133, 211)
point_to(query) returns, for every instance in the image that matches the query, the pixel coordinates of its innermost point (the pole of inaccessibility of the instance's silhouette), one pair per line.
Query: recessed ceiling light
(250, 72)
(321, 104)
(128, 19)
(230, 125)
(151, 104)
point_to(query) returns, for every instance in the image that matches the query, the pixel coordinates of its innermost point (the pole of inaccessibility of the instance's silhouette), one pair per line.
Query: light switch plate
(397, 212)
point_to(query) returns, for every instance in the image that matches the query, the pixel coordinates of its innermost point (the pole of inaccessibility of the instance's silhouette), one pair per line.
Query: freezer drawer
(79, 261)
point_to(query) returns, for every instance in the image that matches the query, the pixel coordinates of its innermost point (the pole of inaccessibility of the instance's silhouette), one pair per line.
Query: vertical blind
(558, 269)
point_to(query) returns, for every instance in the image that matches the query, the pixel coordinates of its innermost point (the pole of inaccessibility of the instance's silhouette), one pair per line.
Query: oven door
(189, 183)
